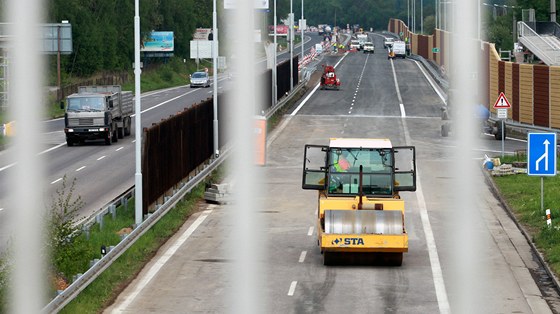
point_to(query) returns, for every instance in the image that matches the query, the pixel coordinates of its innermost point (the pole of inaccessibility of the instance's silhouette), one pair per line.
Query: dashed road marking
(310, 232)
(292, 288)
(302, 256)
(80, 169)
(101, 157)
(55, 181)
(119, 148)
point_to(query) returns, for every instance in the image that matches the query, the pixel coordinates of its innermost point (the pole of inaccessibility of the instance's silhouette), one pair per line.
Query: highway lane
(103, 172)
(293, 279)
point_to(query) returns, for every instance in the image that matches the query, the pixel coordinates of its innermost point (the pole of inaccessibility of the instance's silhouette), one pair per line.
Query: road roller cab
(360, 210)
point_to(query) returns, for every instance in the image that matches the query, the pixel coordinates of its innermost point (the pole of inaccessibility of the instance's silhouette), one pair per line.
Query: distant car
(354, 44)
(200, 79)
(399, 48)
(388, 42)
(369, 47)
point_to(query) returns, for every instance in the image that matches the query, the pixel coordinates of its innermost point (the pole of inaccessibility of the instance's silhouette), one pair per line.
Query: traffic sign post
(541, 157)
(502, 105)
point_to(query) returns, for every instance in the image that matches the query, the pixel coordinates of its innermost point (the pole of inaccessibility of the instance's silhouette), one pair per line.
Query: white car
(354, 44)
(388, 42)
(200, 79)
(369, 47)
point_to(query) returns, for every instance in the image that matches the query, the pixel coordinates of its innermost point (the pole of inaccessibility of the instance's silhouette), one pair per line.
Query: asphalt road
(102, 172)
(192, 273)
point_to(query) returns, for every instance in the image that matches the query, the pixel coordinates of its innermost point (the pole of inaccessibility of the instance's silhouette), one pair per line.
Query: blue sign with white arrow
(541, 154)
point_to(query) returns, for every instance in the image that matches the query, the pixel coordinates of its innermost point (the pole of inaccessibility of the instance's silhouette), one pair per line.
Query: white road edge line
(80, 169)
(55, 181)
(310, 232)
(292, 288)
(101, 157)
(302, 256)
(431, 83)
(403, 113)
(152, 272)
(315, 89)
(119, 148)
(437, 275)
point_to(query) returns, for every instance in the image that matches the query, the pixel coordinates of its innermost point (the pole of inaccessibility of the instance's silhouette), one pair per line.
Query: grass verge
(103, 291)
(523, 195)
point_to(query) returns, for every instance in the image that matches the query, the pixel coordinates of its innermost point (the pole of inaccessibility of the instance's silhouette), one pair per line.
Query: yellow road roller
(360, 216)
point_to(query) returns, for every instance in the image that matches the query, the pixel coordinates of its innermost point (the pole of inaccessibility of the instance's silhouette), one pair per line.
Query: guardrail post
(99, 220)
(113, 211)
(85, 229)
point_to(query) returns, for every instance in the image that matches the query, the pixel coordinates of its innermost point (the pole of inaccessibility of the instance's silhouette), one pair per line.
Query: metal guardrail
(91, 274)
(97, 269)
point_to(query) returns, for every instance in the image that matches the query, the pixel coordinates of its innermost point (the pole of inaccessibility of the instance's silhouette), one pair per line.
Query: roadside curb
(509, 211)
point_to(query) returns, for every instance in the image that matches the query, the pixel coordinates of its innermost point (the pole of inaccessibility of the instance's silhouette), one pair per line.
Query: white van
(354, 44)
(399, 48)
(388, 42)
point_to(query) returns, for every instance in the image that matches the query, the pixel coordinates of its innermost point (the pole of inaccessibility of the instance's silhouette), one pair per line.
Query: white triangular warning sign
(502, 102)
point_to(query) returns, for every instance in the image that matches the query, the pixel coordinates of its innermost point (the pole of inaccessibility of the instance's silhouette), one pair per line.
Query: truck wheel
(109, 138)
(69, 142)
(114, 137)
(127, 123)
(120, 132)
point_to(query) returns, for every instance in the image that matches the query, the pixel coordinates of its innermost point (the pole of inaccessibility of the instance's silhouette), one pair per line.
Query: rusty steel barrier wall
(175, 147)
(533, 90)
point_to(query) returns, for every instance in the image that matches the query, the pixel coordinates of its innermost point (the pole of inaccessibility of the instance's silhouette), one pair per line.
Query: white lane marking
(403, 113)
(8, 166)
(133, 141)
(431, 83)
(52, 148)
(439, 284)
(302, 256)
(315, 89)
(152, 272)
(80, 169)
(101, 157)
(310, 232)
(165, 102)
(1, 209)
(55, 181)
(292, 288)
(119, 148)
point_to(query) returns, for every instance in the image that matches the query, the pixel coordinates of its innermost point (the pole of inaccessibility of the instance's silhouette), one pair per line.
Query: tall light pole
(408, 13)
(553, 10)
(301, 30)
(274, 88)
(215, 73)
(422, 16)
(291, 34)
(137, 118)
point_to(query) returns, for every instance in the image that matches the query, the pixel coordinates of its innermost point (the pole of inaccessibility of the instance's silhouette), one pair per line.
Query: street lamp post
(301, 30)
(137, 119)
(291, 33)
(215, 70)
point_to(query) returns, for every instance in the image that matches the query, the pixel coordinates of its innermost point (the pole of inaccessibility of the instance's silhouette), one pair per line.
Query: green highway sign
(401, 33)
(435, 50)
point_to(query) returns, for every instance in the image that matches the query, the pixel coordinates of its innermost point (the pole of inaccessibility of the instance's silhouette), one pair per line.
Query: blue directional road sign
(541, 154)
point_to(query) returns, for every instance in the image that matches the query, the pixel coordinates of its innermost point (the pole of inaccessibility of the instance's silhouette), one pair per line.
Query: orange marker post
(260, 140)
